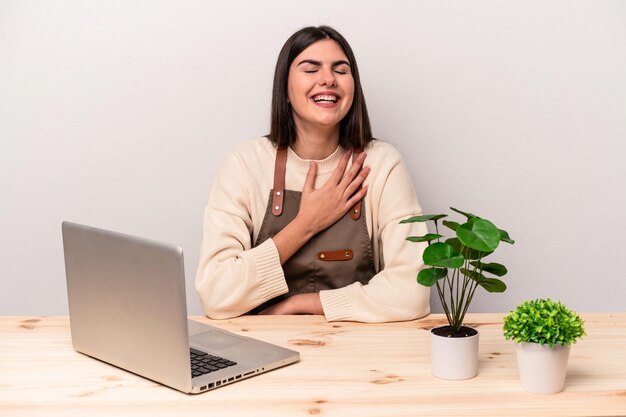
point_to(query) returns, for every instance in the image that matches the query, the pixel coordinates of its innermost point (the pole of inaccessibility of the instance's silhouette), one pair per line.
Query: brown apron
(334, 258)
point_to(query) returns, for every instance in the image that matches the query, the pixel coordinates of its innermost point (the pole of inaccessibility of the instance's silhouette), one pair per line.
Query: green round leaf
(479, 234)
(492, 285)
(476, 276)
(489, 284)
(468, 215)
(504, 236)
(451, 225)
(492, 267)
(426, 238)
(467, 253)
(442, 254)
(424, 218)
(429, 276)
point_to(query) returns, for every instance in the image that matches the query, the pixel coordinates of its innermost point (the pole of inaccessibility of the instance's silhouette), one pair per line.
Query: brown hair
(354, 129)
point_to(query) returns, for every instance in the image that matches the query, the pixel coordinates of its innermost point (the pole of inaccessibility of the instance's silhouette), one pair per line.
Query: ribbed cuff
(336, 305)
(269, 272)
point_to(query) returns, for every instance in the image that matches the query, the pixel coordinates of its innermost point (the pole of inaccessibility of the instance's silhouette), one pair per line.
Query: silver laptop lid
(127, 303)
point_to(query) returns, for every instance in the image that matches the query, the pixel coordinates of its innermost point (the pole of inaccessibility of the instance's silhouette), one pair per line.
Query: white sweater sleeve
(233, 277)
(393, 294)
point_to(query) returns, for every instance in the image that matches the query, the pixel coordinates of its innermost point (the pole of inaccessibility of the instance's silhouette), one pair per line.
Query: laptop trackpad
(216, 340)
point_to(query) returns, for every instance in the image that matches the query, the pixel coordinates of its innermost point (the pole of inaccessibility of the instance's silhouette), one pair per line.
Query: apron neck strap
(355, 210)
(278, 192)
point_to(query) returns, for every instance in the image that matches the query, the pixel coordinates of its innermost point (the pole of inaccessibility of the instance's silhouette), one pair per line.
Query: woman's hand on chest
(321, 207)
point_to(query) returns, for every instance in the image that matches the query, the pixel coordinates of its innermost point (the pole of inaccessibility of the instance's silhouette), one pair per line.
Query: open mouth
(325, 98)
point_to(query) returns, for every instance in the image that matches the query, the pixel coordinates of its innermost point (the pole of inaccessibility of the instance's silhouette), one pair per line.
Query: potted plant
(457, 269)
(544, 332)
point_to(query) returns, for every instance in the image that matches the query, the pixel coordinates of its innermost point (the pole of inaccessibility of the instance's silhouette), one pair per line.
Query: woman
(328, 240)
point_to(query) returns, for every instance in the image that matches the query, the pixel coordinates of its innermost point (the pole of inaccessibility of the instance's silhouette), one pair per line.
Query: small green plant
(456, 266)
(544, 322)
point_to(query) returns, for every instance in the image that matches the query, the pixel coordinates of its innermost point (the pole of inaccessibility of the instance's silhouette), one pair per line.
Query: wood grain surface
(346, 369)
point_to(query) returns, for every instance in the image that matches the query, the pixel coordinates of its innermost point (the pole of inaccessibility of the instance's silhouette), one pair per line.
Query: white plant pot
(542, 369)
(453, 357)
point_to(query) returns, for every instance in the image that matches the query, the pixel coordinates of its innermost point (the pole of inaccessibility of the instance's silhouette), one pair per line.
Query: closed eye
(341, 68)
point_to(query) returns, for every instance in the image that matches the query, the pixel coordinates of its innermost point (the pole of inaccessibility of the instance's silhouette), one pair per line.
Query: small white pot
(453, 357)
(542, 369)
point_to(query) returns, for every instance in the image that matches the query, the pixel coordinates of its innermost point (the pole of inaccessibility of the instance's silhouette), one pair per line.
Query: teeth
(332, 99)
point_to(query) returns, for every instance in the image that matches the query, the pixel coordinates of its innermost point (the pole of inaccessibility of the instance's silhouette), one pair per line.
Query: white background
(115, 114)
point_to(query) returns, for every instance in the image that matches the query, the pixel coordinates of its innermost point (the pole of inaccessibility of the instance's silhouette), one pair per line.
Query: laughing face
(320, 86)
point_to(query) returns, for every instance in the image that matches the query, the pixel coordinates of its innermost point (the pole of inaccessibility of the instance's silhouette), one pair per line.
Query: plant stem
(471, 296)
(472, 287)
(459, 299)
(458, 302)
(443, 301)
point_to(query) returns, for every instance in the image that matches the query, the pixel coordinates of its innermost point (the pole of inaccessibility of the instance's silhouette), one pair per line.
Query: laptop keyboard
(202, 363)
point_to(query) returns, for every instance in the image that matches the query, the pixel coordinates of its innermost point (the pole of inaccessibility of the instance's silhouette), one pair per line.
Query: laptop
(128, 308)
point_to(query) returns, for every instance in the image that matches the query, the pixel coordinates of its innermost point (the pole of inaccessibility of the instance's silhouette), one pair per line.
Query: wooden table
(346, 369)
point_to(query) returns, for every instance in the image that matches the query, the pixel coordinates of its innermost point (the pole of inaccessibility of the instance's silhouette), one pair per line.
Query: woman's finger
(359, 195)
(337, 174)
(356, 182)
(354, 170)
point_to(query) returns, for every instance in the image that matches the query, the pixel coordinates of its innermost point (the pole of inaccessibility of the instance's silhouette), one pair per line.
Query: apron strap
(279, 181)
(355, 211)
(280, 167)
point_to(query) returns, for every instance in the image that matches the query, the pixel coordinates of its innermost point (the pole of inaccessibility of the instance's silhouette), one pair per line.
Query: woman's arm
(393, 294)
(307, 303)
(233, 277)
